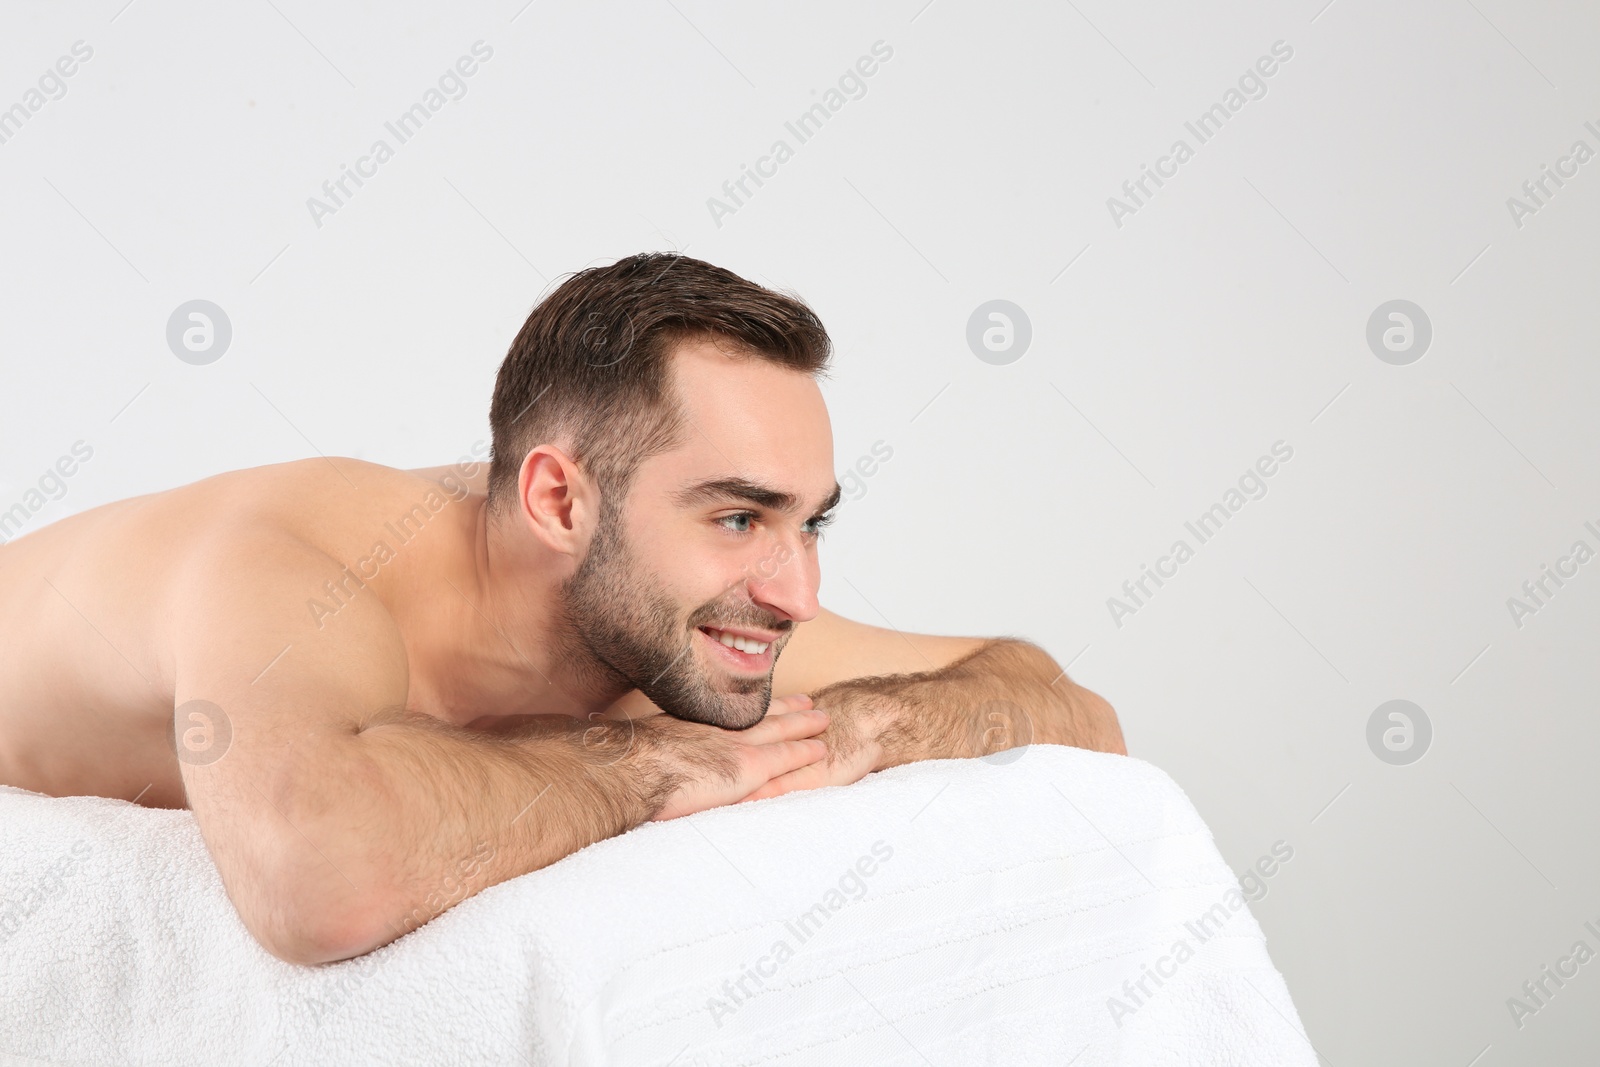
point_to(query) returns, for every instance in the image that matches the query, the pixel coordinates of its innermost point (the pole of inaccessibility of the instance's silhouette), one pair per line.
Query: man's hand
(714, 767)
(854, 722)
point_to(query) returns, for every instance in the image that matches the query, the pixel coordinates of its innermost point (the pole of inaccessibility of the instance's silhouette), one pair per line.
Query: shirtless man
(365, 681)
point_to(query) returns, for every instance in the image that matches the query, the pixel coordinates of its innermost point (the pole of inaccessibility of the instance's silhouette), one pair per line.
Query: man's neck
(497, 643)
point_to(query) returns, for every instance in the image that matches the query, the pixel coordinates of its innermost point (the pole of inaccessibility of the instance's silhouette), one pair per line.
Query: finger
(777, 759)
(786, 726)
(790, 702)
(812, 777)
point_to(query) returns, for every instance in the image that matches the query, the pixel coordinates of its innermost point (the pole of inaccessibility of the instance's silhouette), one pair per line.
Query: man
(367, 681)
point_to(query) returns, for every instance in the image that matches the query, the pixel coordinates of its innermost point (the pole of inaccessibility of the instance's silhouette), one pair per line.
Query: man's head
(680, 401)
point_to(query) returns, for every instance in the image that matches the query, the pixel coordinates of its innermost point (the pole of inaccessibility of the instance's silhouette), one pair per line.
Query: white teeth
(743, 644)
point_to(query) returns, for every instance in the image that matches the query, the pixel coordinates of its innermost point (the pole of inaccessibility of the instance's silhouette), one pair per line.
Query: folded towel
(1047, 905)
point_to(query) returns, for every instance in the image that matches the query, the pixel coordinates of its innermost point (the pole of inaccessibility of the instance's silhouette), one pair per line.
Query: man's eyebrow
(832, 501)
(765, 496)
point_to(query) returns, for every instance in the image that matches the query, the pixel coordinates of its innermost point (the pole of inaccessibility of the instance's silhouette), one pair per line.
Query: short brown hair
(591, 362)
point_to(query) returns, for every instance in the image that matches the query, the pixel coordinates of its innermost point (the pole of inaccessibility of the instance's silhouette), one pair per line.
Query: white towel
(952, 912)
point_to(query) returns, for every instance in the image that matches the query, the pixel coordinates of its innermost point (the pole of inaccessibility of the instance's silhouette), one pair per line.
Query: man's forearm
(433, 814)
(1005, 694)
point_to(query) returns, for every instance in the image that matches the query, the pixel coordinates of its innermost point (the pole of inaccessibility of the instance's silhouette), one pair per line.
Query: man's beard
(624, 626)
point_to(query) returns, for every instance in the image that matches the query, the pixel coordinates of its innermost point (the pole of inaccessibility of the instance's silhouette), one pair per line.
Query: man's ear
(558, 499)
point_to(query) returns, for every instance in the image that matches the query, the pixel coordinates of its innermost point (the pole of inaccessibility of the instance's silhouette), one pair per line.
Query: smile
(738, 651)
(743, 644)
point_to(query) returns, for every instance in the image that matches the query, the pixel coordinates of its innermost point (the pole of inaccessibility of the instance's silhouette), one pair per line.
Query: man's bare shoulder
(338, 505)
(311, 495)
(349, 521)
(306, 495)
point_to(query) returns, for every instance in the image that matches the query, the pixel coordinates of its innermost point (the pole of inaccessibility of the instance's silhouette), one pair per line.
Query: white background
(1168, 353)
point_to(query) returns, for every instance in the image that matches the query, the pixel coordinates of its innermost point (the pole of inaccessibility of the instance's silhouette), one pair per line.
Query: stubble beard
(626, 631)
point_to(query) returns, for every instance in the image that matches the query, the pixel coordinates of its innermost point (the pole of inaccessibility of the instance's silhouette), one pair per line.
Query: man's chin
(729, 711)
(725, 718)
(703, 689)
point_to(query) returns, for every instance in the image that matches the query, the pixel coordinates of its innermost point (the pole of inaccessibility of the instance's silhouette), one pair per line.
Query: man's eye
(743, 517)
(815, 525)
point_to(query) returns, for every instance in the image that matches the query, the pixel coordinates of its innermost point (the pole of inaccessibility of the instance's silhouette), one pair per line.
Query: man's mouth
(740, 650)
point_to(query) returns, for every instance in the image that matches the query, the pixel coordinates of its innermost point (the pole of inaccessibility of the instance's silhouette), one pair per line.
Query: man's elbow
(307, 913)
(1093, 722)
(302, 931)
(1102, 730)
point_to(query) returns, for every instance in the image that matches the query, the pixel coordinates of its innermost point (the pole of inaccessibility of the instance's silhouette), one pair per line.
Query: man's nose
(785, 581)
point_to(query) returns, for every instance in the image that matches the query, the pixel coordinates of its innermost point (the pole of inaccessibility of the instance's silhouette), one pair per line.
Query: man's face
(716, 541)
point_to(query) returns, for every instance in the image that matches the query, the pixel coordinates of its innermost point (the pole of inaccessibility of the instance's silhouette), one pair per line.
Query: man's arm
(1003, 694)
(338, 820)
(896, 698)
